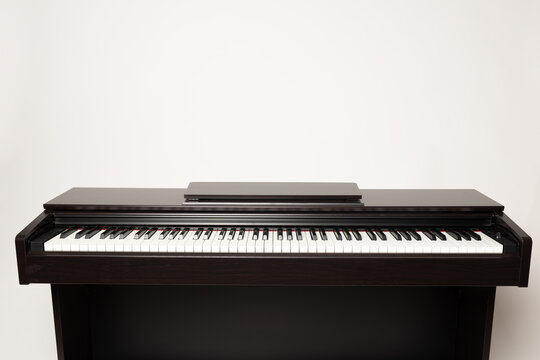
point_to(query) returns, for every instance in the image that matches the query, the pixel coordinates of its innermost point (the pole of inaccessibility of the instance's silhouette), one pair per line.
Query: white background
(388, 94)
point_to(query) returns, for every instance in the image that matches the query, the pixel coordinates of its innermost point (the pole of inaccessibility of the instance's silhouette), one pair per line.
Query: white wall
(389, 94)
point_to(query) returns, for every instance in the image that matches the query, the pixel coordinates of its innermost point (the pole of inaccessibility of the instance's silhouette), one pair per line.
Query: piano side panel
(21, 242)
(525, 247)
(479, 270)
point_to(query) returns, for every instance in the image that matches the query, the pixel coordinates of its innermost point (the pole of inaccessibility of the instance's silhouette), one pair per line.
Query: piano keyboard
(273, 240)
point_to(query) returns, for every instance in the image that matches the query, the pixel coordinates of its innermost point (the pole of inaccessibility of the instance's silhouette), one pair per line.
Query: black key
(241, 234)
(323, 234)
(208, 233)
(439, 235)
(415, 235)
(289, 234)
(265, 234)
(381, 235)
(198, 234)
(151, 233)
(429, 235)
(337, 234)
(164, 233)
(116, 233)
(67, 232)
(232, 232)
(255, 234)
(298, 234)
(395, 235)
(174, 233)
(82, 233)
(371, 235)
(474, 235)
(405, 235)
(184, 233)
(454, 234)
(464, 235)
(222, 233)
(313, 234)
(280, 234)
(92, 233)
(140, 233)
(107, 233)
(347, 235)
(125, 233)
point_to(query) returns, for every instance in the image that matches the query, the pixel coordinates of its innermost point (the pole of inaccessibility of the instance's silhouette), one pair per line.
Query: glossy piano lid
(268, 191)
(131, 199)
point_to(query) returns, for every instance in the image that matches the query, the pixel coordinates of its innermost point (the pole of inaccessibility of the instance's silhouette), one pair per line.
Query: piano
(273, 271)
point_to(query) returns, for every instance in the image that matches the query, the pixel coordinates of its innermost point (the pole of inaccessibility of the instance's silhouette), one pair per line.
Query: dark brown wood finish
(390, 270)
(475, 319)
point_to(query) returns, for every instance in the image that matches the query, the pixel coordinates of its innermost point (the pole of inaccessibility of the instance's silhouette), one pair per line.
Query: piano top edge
(171, 199)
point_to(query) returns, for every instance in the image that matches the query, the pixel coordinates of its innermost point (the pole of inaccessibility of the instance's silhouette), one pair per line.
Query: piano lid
(172, 200)
(272, 191)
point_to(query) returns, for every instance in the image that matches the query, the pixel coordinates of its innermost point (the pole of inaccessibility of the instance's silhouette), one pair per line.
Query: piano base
(272, 322)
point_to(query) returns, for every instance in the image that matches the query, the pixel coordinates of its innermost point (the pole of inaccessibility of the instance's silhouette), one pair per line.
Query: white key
(338, 244)
(65, 244)
(189, 241)
(366, 243)
(198, 240)
(50, 244)
(242, 241)
(491, 245)
(277, 244)
(136, 241)
(329, 245)
(225, 243)
(128, 242)
(286, 242)
(391, 243)
(163, 242)
(233, 243)
(429, 246)
(180, 243)
(207, 240)
(251, 242)
(259, 243)
(347, 244)
(217, 240)
(269, 244)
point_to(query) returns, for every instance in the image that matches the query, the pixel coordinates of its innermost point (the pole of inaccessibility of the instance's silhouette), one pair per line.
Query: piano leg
(475, 318)
(72, 323)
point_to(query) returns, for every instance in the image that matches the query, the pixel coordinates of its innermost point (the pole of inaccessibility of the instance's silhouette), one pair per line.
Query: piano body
(273, 271)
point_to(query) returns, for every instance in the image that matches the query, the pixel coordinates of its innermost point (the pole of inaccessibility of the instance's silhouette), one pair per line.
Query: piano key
(356, 234)
(429, 235)
(322, 232)
(251, 241)
(116, 233)
(265, 234)
(269, 242)
(289, 234)
(198, 233)
(473, 235)
(453, 234)
(337, 244)
(255, 234)
(82, 233)
(313, 235)
(380, 234)
(164, 233)
(49, 245)
(298, 234)
(464, 235)
(337, 235)
(312, 245)
(439, 235)
(174, 233)
(125, 233)
(242, 240)
(232, 232)
(280, 234)
(277, 246)
(198, 240)
(405, 235)
(217, 243)
(391, 243)
(490, 245)
(106, 233)
(259, 245)
(68, 232)
(233, 242)
(140, 233)
(414, 235)
(224, 243)
(184, 233)
(207, 234)
(295, 243)
(370, 234)
(347, 234)
(347, 244)
(222, 234)
(395, 235)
